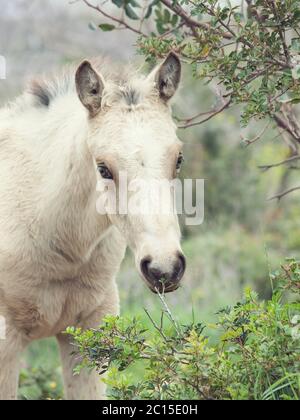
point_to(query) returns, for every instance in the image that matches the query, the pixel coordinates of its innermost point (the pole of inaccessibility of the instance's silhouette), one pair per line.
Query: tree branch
(113, 18)
(283, 124)
(248, 142)
(211, 114)
(192, 23)
(284, 193)
(283, 162)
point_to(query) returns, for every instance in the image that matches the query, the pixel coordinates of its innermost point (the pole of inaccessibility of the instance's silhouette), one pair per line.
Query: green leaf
(134, 3)
(92, 26)
(118, 3)
(131, 13)
(167, 16)
(107, 27)
(238, 17)
(296, 72)
(160, 27)
(295, 44)
(174, 20)
(148, 13)
(150, 9)
(297, 14)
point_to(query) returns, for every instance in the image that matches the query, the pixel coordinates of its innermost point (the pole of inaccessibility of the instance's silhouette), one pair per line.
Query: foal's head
(132, 136)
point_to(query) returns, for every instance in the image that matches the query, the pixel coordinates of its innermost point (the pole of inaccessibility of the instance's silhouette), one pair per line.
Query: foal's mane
(123, 84)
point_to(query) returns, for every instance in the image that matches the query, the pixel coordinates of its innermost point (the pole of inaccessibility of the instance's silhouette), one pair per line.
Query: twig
(169, 313)
(248, 142)
(211, 115)
(281, 33)
(283, 124)
(284, 193)
(283, 162)
(190, 22)
(155, 325)
(113, 18)
(176, 8)
(170, 31)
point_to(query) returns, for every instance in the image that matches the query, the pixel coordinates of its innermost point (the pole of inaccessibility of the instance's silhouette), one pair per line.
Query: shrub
(250, 50)
(40, 383)
(256, 355)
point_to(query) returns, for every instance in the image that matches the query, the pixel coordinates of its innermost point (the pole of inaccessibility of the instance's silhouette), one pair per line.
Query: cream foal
(58, 256)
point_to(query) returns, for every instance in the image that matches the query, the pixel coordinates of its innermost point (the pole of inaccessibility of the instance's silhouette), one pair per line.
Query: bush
(250, 50)
(39, 384)
(256, 355)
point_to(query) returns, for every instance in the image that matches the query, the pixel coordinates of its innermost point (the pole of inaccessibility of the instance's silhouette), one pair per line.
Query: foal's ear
(167, 76)
(89, 86)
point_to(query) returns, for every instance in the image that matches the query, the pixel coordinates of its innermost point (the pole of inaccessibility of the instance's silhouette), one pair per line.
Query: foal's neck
(73, 195)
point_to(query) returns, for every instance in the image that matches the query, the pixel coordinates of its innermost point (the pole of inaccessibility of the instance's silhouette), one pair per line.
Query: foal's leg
(10, 349)
(87, 385)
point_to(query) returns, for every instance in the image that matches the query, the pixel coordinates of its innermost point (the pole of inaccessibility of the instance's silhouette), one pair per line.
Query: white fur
(58, 257)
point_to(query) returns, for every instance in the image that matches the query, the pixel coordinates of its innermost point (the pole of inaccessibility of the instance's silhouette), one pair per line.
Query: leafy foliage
(251, 50)
(256, 355)
(40, 384)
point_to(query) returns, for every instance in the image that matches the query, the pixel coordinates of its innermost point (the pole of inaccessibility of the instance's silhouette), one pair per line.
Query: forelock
(123, 86)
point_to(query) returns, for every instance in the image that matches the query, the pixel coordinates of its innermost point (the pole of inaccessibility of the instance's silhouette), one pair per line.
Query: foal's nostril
(163, 280)
(152, 274)
(179, 267)
(145, 266)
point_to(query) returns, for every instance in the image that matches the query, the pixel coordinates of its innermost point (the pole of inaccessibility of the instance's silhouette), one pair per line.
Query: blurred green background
(244, 236)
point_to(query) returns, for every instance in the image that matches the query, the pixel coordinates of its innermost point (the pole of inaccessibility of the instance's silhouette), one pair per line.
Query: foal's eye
(104, 171)
(179, 163)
